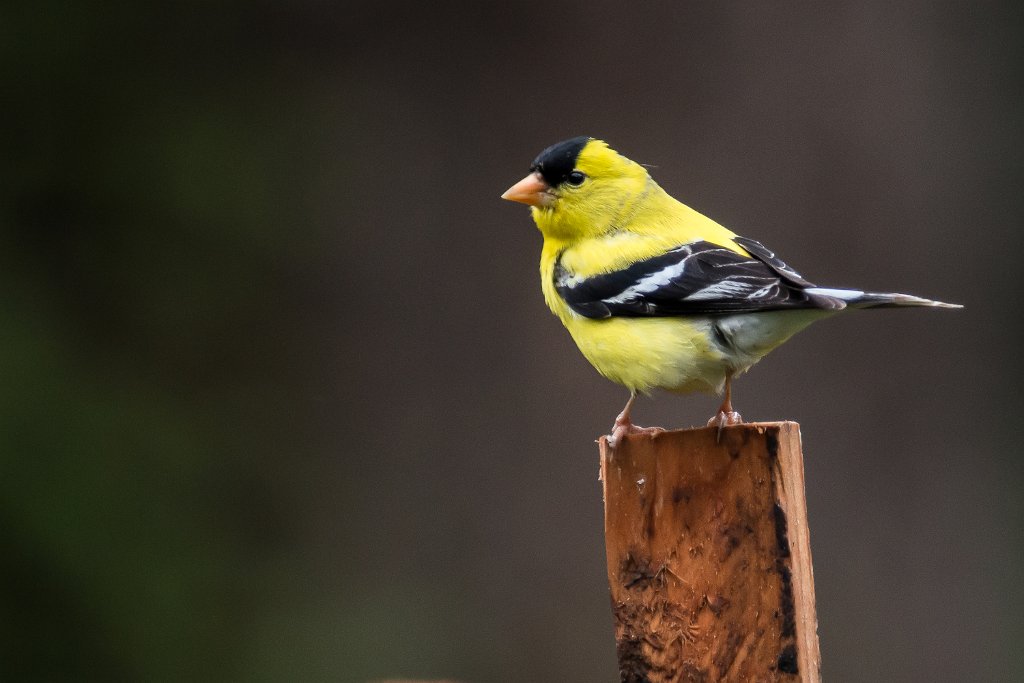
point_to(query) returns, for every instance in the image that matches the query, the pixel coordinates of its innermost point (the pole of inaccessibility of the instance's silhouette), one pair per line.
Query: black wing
(695, 278)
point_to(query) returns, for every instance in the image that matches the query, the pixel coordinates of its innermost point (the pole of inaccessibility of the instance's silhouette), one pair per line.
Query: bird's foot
(725, 418)
(623, 427)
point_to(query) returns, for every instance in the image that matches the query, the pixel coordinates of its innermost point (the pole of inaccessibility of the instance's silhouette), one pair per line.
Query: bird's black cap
(556, 162)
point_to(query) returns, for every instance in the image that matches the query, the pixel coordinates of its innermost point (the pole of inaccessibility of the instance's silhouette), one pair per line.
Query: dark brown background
(281, 400)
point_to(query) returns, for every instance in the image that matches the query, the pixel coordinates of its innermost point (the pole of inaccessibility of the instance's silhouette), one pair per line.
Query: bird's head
(580, 188)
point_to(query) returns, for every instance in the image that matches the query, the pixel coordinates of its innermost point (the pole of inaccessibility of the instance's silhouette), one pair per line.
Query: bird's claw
(624, 427)
(725, 419)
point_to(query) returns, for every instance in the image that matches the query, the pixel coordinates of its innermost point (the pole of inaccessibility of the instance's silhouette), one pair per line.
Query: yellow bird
(655, 294)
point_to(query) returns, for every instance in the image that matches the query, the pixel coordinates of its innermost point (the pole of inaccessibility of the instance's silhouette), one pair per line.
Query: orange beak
(530, 190)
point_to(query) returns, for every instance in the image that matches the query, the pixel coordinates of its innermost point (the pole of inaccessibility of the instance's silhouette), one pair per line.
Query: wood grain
(709, 558)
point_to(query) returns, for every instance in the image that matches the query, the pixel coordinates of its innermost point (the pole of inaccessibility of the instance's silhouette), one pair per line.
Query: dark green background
(280, 397)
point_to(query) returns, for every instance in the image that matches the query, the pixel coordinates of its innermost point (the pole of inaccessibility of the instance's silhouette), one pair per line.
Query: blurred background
(280, 396)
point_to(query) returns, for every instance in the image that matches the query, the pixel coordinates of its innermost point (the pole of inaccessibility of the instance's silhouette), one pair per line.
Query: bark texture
(709, 559)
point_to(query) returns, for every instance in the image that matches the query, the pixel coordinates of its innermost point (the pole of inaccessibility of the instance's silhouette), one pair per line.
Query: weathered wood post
(709, 558)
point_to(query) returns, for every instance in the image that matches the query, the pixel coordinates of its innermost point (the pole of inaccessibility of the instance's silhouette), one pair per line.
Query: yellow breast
(648, 353)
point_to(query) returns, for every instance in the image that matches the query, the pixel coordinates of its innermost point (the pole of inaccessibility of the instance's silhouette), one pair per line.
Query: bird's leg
(623, 425)
(726, 406)
(726, 416)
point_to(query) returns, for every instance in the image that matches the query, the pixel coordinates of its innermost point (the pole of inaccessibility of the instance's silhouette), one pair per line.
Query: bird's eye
(576, 178)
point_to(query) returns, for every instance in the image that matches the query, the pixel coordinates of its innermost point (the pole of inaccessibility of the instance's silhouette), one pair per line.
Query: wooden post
(709, 558)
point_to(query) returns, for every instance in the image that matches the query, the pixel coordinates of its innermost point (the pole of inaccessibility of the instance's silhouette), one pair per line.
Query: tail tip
(910, 300)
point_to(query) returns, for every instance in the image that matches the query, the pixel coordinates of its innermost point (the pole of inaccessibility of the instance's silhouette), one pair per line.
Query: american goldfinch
(655, 294)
